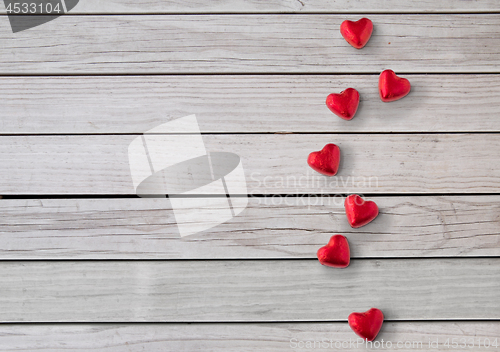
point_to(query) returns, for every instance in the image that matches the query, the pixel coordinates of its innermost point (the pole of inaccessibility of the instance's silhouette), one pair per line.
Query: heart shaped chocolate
(359, 212)
(368, 324)
(326, 161)
(345, 104)
(391, 87)
(336, 253)
(357, 33)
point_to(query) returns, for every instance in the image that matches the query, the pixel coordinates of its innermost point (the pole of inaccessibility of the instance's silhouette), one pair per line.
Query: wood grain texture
(230, 291)
(273, 163)
(218, 292)
(177, 44)
(280, 6)
(269, 228)
(242, 337)
(229, 104)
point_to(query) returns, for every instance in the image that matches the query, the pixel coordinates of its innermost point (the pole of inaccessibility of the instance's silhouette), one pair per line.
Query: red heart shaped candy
(391, 87)
(326, 161)
(336, 253)
(357, 33)
(359, 212)
(368, 324)
(345, 104)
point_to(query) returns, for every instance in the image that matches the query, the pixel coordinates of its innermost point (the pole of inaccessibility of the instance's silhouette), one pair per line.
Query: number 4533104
(471, 343)
(26, 7)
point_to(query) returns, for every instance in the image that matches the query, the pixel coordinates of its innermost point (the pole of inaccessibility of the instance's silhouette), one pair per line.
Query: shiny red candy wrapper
(345, 104)
(368, 324)
(359, 212)
(336, 253)
(391, 87)
(326, 161)
(357, 33)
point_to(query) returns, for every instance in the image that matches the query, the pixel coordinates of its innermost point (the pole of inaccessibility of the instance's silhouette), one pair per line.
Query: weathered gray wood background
(85, 265)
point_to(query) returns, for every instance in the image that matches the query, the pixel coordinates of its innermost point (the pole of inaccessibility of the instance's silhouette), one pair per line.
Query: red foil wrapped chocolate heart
(359, 212)
(326, 161)
(345, 104)
(391, 87)
(336, 253)
(357, 33)
(368, 324)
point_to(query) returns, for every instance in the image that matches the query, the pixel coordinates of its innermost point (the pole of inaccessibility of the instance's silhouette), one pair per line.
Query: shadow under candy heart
(25, 14)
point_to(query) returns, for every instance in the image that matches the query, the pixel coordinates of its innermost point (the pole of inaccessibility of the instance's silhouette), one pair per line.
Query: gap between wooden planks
(273, 164)
(281, 6)
(181, 44)
(276, 227)
(249, 104)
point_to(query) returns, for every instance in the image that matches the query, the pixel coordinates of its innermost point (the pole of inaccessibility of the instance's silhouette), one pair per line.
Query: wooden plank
(269, 228)
(273, 163)
(249, 43)
(131, 104)
(246, 291)
(242, 337)
(281, 6)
